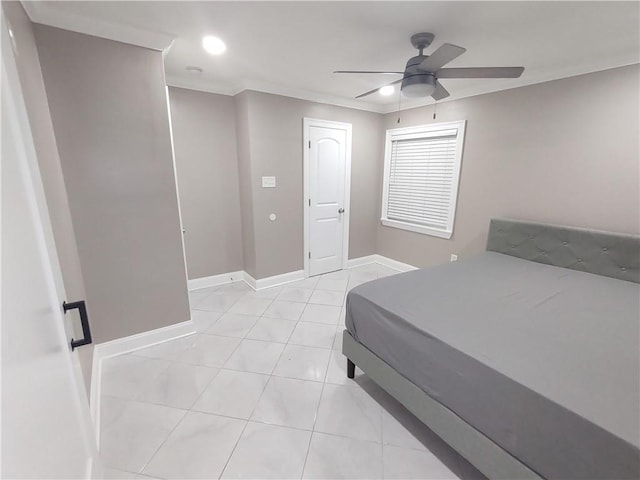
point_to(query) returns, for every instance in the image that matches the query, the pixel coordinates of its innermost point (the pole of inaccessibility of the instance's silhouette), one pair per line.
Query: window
(421, 171)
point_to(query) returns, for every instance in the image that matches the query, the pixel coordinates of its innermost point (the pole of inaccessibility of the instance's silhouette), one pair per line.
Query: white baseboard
(249, 280)
(380, 260)
(289, 277)
(274, 281)
(260, 284)
(214, 280)
(94, 395)
(119, 346)
(358, 262)
(395, 264)
(144, 339)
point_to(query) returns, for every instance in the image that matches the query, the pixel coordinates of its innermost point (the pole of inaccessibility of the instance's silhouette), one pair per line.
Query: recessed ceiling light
(194, 70)
(387, 90)
(213, 45)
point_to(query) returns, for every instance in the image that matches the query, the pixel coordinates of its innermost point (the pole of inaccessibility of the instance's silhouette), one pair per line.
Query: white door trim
(314, 122)
(175, 176)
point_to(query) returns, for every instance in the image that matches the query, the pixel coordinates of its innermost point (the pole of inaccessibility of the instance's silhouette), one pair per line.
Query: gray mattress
(541, 359)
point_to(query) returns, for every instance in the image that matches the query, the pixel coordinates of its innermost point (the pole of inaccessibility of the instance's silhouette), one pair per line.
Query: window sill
(416, 228)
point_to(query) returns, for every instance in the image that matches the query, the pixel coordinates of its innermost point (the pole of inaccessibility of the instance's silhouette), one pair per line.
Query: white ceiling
(292, 48)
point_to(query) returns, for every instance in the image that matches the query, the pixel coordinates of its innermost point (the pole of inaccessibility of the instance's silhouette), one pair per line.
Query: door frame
(183, 231)
(347, 127)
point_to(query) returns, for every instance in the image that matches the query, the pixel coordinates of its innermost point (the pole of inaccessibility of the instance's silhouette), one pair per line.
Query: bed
(525, 358)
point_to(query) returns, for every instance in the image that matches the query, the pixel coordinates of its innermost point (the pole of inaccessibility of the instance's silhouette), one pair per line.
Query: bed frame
(602, 253)
(478, 449)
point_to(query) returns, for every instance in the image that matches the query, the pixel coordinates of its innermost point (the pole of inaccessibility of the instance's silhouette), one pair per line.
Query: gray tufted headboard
(603, 253)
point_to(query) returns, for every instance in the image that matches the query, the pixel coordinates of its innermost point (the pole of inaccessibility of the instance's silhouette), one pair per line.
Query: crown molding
(200, 85)
(311, 96)
(203, 85)
(42, 12)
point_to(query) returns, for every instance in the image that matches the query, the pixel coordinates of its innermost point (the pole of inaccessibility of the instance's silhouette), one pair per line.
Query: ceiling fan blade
(441, 57)
(440, 92)
(376, 89)
(481, 72)
(367, 71)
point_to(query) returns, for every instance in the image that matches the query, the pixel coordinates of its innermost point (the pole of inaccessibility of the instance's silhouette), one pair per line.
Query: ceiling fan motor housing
(416, 82)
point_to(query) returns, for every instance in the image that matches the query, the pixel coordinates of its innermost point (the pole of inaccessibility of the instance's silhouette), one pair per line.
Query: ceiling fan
(421, 75)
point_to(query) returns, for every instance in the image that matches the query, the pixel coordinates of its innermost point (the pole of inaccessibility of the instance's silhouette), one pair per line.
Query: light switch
(268, 182)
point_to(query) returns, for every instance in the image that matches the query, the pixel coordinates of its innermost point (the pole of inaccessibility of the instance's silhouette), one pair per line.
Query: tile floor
(261, 392)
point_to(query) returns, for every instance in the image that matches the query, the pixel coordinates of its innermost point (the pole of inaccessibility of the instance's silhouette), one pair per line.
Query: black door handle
(84, 320)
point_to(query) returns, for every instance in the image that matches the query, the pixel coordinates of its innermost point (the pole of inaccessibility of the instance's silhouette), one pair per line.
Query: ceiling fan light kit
(387, 90)
(420, 77)
(419, 85)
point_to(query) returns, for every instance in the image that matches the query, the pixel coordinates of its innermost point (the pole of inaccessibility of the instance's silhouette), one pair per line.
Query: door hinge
(309, 143)
(309, 202)
(309, 255)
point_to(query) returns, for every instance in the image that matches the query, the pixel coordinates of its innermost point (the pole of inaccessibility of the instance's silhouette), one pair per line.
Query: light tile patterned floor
(261, 391)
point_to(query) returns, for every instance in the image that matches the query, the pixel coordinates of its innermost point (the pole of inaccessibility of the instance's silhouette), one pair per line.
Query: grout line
(166, 438)
(145, 476)
(321, 323)
(204, 389)
(253, 410)
(278, 360)
(243, 429)
(315, 420)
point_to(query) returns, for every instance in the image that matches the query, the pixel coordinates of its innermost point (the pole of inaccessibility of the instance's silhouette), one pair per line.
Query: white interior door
(46, 428)
(327, 162)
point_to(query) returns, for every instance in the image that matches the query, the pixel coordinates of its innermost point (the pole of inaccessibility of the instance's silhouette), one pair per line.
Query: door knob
(341, 210)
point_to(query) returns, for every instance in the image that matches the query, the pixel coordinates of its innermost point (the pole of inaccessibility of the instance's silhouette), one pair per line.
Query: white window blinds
(422, 167)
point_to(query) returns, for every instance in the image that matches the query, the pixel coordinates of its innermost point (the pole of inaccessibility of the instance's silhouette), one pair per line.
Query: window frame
(424, 131)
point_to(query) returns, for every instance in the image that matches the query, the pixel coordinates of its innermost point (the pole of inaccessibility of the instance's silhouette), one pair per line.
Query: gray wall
(561, 152)
(109, 111)
(274, 128)
(204, 139)
(46, 148)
